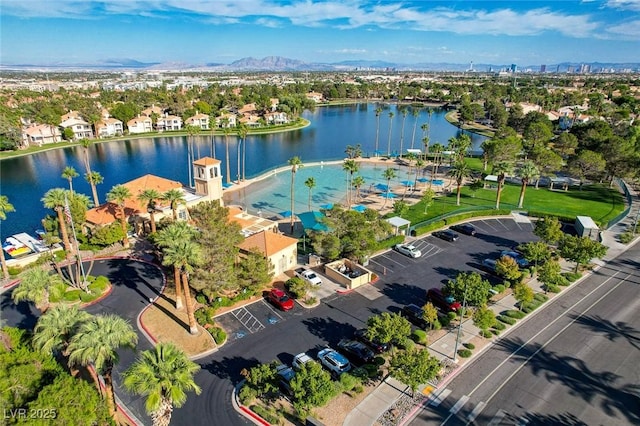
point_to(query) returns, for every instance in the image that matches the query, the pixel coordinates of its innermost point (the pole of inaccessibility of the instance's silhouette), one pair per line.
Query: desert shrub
(505, 319)
(470, 346)
(626, 237)
(499, 288)
(464, 353)
(452, 315)
(552, 288)
(499, 326)
(201, 316)
(14, 270)
(247, 395)
(530, 307)
(56, 293)
(540, 297)
(270, 416)
(571, 276)
(494, 331)
(358, 388)
(419, 336)
(219, 335)
(88, 297)
(348, 382)
(99, 284)
(436, 325)
(407, 344)
(486, 334)
(72, 295)
(201, 298)
(512, 313)
(310, 300)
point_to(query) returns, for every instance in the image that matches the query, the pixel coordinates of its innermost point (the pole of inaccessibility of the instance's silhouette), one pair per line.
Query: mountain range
(281, 64)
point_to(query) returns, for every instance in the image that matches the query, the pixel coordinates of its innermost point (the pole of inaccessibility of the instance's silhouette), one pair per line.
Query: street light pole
(464, 304)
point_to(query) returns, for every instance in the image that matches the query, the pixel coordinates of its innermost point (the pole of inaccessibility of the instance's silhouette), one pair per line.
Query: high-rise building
(514, 68)
(543, 68)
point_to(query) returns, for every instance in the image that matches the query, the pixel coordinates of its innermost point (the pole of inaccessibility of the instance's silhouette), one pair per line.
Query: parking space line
(247, 319)
(503, 225)
(381, 266)
(489, 225)
(272, 309)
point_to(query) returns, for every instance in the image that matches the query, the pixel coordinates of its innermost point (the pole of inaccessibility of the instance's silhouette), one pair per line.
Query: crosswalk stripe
(497, 418)
(440, 397)
(458, 405)
(477, 410)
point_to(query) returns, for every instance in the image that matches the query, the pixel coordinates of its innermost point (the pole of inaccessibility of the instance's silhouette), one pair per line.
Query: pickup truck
(308, 275)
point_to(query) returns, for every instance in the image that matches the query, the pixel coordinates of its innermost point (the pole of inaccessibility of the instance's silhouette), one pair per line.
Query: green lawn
(597, 201)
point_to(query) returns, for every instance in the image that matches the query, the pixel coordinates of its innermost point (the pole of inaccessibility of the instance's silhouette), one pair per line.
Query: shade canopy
(359, 208)
(388, 195)
(382, 187)
(312, 220)
(286, 213)
(327, 206)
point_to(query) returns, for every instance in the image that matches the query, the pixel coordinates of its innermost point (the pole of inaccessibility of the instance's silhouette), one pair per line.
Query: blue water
(24, 180)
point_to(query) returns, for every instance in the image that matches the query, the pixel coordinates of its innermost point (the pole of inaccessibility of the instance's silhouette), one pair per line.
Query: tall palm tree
(310, 183)
(501, 169)
(118, 195)
(184, 255)
(191, 132)
(295, 164)
(149, 197)
(404, 113)
(34, 287)
(94, 178)
(415, 112)
(164, 375)
(357, 183)
(175, 232)
(86, 143)
(56, 327)
(227, 131)
(175, 197)
(425, 139)
(419, 166)
(5, 207)
(527, 171)
(69, 173)
(459, 171)
(378, 112)
(389, 142)
(97, 342)
(351, 167)
(55, 199)
(388, 174)
(437, 150)
(242, 131)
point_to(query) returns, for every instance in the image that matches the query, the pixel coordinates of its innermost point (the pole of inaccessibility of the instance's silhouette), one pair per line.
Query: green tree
(484, 318)
(97, 342)
(523, 294)
(55, 199)
(118, 195)
(34, 286)
(357, 183)
(501, 169)
(69, 173)
(587, 165)
(550, 274)
(580, 249)
(404, 113)
(5, 207)
(565, 144)
(459, 171)
(388, 328)
(390, 125)
(310, 183)
(414, 367)
(242, 132)
(350, 166)
(94, 178)
(507, 267)
(255, 271)
(174, 197)
(469, 287)
(388, 174)
(164, 375)
(168, 237)
(535, 252)
(312, 387)
(378, 112)
(56, 327)
(295, 164)
(149, 197)
(527, 171)
(430, 314)
(353, 151)
(549, 229)
(427, 198)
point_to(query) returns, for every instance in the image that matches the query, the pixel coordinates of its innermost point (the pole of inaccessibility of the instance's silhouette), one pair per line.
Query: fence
(629, 197)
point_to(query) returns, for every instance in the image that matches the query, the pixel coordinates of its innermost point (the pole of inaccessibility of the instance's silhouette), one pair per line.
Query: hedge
(512, 313)
(506, 319)
(499, 326)
(540, 297)
(419, 336)
(268, 415)
(464, 353)
(571, 276)
(469, 346)
(390, 242)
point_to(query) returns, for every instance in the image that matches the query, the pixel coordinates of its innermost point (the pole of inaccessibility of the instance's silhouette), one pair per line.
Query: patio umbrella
(286, 213)
(423, 180)
(381, 187)
(327, 206)
(407, 182)
(359, 208)
(388, 195)
(312, 220)
(438, 182)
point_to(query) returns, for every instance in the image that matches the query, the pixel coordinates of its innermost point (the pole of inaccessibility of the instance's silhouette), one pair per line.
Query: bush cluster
(626, 237)
(499, 326)
(512, 313)
(505, 319)
(469, 346)
(269, 415)
(464, 353)
(571, 276)
(419, 336)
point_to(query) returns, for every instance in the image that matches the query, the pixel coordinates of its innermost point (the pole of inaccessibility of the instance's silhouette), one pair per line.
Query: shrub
(486, 334)
(444, 321)
(469, 346)
(437, 325)
(247, 394)
(571, 276)
(358, 389)
(540, 297)
(499, 288)
(221, 302)
(88, 297)
(99, 284)
(464, 353)
(407, 344)
(72, 295)
(14, 270)
(348, 382)
(201, 298)
(270, 416)
(390, 242)
(512, 313)
(202, 317)
(297, 287)
(219, 335)
(452, 315)
(626, 237)
(56, 293)
(310, 300)
(552, 288)
(419, 336)
(494, 331)
(499, 326)
(506, 319)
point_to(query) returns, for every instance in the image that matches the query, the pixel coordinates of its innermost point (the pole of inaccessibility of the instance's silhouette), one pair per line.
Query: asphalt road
(573, 363)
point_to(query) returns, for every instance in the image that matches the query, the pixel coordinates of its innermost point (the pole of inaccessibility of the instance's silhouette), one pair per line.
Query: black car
(447, 235)
(415, 315)
(361, 335)
(357, 352)
(464, 228)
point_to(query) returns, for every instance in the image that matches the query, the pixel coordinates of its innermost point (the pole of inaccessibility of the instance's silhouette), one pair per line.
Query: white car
(408, 250)
(309, 276)
(300, 359)
(334, 361)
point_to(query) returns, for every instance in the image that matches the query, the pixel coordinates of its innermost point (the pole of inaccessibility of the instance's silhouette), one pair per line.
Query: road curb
(244, 410)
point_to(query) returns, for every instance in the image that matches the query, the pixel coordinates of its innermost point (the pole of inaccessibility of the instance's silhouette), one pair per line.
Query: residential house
(248, 109)
(168, 122)
(226, 120)
(41, 134)
(140, 124)
(280, 250)
(251, 120)
(315, 96)
(277, 117)
(274, 103)
(109, 127)
(69, 115)
(152, 110)
(199, 120)
(81, 129)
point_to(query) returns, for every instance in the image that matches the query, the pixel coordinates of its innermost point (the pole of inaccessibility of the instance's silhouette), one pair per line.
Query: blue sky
(221, 31)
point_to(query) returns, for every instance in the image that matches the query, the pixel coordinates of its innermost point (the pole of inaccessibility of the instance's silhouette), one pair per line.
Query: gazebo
(398, 223)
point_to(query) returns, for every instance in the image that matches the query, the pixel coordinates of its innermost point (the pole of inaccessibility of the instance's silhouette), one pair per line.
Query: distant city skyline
(42, 32)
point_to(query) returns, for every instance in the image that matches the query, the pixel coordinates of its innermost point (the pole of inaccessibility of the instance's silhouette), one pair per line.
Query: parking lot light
(464, 307)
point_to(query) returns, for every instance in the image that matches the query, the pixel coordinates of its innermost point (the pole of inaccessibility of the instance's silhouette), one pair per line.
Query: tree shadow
(612, 331)
(404, 294)
(329, 329)
(230, 368)
(21, 315)
(497, 240)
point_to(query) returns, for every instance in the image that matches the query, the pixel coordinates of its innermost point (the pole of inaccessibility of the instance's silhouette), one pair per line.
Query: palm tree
(34, 287)
(501, 169)
(404, 113)
(5, 207)
(55, 199)
(69, 173)
(351, 167)
(94, 178)
(175, 197)
(388, 174)
(415, 112)
(172, 234)
(357, 183)
(56, 327)
(378, 112)
(149, 197)
(242, 131)
(164, 375)
(191, 132)
(458, 172)
(295, 164)
(97, 342)
(184, 255)
(310, 183)
(437, 150)
(527, 171)
(86, 143)
(425, 139)
(118, 195)
(227, 131)
(419, 166)
(389, 142)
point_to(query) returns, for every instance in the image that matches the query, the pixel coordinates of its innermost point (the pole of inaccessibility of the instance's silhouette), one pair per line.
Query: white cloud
(627, 30)
(350, 51)
(624, 4)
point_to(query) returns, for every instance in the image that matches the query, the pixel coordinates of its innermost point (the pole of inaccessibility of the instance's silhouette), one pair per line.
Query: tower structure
(208, 178)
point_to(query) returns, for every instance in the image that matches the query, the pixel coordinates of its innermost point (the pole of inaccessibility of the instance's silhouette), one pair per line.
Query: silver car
(408, 250)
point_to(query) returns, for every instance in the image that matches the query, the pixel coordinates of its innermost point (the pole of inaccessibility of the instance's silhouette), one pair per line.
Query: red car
(280, 299)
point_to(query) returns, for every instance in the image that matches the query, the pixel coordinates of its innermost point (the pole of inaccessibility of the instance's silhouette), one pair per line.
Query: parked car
(357, 352)
(415, 315)
(408, 250)
(518, 257)
(447, 235)
(285, 374)
(301, 359)
(464, 228)
(439, 300)
(308, 275)
(489, 265)
(361, 335)
(334, 361)
(280, 299)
